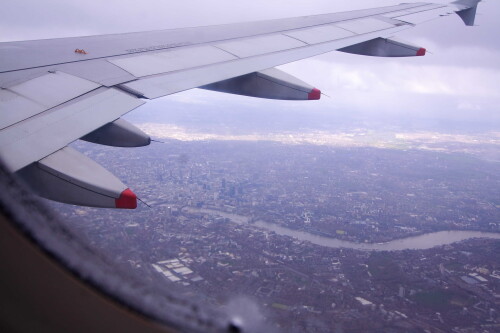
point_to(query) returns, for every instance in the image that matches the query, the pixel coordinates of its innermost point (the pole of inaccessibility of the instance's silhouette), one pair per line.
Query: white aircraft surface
(56, 91)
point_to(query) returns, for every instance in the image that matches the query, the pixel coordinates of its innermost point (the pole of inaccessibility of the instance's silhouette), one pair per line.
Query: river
(420, 242)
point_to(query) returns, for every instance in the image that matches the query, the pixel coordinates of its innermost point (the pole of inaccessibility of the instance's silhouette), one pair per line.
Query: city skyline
(213, 233)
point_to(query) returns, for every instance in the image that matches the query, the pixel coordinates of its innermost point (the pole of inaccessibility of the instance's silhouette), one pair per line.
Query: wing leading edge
(56, 91)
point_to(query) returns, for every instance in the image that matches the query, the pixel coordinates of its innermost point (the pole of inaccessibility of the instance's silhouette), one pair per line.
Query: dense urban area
(208, 232)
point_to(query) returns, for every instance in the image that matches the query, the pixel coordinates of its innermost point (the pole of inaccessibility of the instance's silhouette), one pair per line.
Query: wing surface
(56, 91)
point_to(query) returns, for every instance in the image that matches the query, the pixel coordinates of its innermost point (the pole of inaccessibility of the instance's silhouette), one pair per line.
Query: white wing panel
(100, 71)
(422, 17)
(260, 45)
(31, 97)
(413, 10)
(49, 131)
(162, 85)
(15, 108)
(53, 52)
(163, 62)
(53, 89)
(365, 25)
(320, 34)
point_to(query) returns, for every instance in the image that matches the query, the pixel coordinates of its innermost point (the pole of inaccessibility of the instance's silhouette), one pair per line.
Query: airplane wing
(56, 91)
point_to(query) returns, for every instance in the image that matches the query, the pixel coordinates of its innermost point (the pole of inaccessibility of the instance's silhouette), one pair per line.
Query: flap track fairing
(119, 133)
(270, 83)
(467, 9)
(385, 47)
(70, 177)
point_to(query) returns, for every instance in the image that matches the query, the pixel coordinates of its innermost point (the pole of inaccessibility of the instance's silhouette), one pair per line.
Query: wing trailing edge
(39, 136)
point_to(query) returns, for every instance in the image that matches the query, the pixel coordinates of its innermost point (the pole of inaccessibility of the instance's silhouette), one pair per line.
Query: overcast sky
(459, 80)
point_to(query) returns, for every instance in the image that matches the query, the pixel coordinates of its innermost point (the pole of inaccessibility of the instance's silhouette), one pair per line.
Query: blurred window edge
(38, 224)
